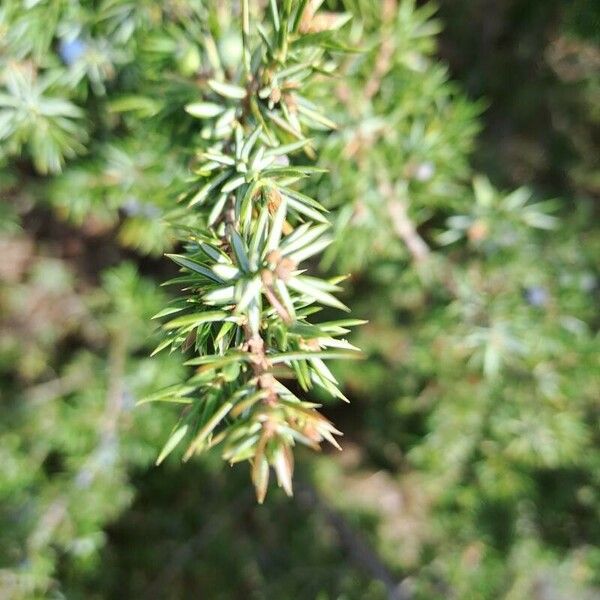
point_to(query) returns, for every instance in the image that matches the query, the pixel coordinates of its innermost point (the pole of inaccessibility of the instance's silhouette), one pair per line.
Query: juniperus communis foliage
(248, 297)
(470, 459)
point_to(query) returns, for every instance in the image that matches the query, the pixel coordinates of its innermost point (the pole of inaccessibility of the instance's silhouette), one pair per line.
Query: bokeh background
(463, 187)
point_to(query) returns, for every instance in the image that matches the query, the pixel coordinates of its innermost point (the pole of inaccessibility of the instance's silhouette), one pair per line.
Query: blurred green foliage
(471, 462)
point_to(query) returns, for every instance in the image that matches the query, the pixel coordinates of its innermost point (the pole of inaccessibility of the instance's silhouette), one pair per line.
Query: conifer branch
(246, 314)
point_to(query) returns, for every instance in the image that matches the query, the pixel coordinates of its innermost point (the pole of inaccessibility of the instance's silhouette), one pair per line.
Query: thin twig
(383, 61)
(402, 225)
(358, 549)
(49, 390)
(406, 230)
(85, 476)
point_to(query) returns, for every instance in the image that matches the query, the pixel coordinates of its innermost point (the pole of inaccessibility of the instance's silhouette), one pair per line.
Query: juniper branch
(248, 301)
